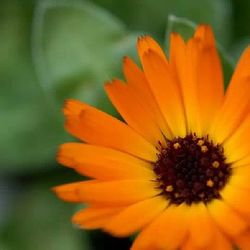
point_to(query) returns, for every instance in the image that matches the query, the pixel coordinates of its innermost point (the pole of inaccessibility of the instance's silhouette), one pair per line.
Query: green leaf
(241, 18)
(150, 16)
(77, 46)
(40, 221)
(239, 46)
(180, 25)
(186, 28)
(27, 131)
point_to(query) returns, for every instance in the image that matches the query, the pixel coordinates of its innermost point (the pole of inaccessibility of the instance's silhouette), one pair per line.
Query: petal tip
(205, 33)
(73, 107)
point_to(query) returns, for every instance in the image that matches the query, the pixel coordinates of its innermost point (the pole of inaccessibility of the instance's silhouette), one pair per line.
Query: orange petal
(68, 192)
(146, 43)
(96, 127)
(178, 58)
(103, 163)
(134, 111)
(222, 214)
(220, 242)
(73, 107)
(94, 217)
(210, 86)
(117, 193)
(243, 241)
(243, 162)
(168, 231)
(135, 217)
(236, 104)
(199, 218)
(189, 245)
(237, 146)
(166, 91)
(237, 198)
(184, 60)
(198, 70)
(137, 81)
(240, 177)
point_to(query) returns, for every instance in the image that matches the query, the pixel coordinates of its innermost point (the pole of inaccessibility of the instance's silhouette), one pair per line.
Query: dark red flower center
(191, 170)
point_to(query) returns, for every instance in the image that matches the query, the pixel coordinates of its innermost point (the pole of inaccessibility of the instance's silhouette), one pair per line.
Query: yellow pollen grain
(200, 142)
(202, 195)
(176, 195)
(177, 145)
(204, 149)
(210, 183)
(221, 149)
(169, 188)
(215, 164)
(221, 174)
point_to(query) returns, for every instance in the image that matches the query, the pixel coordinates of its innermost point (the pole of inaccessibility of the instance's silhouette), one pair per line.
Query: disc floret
(191, 170)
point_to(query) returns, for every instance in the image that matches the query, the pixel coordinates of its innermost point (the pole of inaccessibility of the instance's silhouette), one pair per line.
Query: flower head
(178, 169)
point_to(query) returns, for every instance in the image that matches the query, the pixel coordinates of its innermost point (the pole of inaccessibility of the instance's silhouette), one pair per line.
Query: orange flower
(178, 170)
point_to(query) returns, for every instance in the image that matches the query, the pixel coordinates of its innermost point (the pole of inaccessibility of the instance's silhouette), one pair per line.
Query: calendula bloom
(178, 169)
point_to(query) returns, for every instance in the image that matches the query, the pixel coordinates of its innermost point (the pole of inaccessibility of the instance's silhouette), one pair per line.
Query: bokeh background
(51, 50)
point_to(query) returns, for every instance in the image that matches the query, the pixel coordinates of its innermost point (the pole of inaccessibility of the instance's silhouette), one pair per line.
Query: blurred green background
(51, 50)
